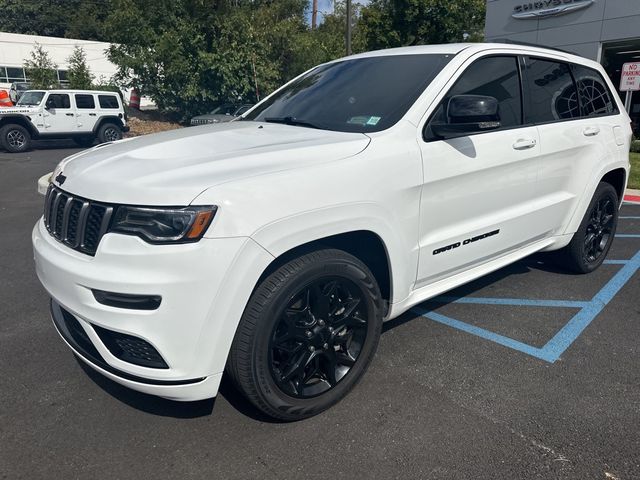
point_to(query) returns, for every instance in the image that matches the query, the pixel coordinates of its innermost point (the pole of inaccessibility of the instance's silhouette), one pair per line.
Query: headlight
(163, 225)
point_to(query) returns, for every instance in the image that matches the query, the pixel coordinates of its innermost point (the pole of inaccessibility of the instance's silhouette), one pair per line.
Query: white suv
(273, 247)
(82, 115)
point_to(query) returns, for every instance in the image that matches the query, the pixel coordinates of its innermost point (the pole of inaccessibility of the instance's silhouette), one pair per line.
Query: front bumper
(204, 287)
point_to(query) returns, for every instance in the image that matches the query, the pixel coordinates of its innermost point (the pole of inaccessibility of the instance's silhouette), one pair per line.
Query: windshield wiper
(292, 121)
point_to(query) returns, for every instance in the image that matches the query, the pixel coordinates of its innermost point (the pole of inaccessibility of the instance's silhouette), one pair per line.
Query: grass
(634, 178)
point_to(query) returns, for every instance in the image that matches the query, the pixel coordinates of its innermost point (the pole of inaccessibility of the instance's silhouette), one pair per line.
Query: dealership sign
(549, 8)
(630, 78)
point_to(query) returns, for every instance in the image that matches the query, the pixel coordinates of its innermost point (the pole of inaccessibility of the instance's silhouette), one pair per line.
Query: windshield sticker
(364, 120)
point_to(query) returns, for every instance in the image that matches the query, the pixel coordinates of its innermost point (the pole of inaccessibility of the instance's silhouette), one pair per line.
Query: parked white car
(274, 247)
(82, 115)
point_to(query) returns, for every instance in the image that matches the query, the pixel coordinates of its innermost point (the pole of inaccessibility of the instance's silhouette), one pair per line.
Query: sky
(326, 6)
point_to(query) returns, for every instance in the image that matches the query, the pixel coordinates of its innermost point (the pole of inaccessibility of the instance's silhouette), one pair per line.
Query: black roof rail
(529, 44)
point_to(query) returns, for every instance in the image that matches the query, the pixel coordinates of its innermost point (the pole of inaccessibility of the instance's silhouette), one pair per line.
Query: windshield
(30, 99)
(360, 95)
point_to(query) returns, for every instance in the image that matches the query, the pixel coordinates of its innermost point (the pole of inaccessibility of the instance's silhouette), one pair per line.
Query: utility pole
(348, 40)
(314, 15)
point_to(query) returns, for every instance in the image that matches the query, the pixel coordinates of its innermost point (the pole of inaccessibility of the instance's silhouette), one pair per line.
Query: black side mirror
(468, 114)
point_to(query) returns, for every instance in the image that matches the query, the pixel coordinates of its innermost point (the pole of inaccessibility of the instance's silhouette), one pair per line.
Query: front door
(59, 116)
(478, 195)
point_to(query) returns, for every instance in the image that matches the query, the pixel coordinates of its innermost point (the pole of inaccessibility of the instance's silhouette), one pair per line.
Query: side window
(492, 76)
(551, 95)
(58, 100)
(108, 101)
(85, 101)
(595, 97)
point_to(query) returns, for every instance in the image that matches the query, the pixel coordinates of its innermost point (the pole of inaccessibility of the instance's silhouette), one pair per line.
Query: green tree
(56, 18)
(40, 69)
(394, 23)
(78, 73)
(189, 55)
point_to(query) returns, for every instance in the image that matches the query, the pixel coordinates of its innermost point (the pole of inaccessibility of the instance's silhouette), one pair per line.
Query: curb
(632, 196)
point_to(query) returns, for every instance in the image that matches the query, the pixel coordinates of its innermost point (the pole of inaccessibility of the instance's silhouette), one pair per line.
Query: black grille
(130, 349)
(77, 222)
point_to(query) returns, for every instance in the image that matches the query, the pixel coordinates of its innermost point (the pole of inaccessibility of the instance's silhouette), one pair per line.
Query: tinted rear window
(551, 95)
(58, 100)
(108, 101)
(85, 101)
(595, 97)
(359, 95)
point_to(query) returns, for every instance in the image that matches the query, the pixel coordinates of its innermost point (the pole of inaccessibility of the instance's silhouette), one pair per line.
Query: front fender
(287, 233)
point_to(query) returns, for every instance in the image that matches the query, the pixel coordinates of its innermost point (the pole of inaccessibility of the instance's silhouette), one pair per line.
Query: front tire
(592, 241)
(109, 132)
(308, 334)
(15, 138)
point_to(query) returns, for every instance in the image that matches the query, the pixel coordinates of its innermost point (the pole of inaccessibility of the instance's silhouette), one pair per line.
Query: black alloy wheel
(599, 229)
(307, 335)
(592, 241)
(15, 138)
(319, 337)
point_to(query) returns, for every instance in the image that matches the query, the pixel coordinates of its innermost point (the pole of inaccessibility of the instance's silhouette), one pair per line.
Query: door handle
(69, 114)
(92, 114)
(591, 131)
(524, 143)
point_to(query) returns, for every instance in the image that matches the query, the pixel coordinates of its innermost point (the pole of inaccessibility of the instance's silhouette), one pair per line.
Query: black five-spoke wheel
(308, 334)
(318, 338)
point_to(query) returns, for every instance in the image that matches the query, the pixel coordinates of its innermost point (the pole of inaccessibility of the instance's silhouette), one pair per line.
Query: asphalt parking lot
(530, 372)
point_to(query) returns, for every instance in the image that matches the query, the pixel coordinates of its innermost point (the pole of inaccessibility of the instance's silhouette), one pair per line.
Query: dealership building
(607, 31)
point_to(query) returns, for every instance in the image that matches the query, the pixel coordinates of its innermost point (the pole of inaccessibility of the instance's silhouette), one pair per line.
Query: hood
(173, 168)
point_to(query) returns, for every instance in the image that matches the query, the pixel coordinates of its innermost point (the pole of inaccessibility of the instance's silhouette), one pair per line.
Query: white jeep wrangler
(82, 115)
(274, 246)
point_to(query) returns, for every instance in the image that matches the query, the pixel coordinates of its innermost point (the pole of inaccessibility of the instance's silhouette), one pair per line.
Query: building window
(15, 74)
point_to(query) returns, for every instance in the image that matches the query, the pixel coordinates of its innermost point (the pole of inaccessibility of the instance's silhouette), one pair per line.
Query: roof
(455, 48)
(68, 90)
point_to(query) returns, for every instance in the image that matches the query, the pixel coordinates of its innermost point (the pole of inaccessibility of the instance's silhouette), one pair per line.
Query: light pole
(348, 39)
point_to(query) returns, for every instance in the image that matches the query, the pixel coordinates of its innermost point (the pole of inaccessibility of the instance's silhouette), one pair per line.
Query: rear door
(86, 111)
(478, 194)
(570, 105)
(59, 114)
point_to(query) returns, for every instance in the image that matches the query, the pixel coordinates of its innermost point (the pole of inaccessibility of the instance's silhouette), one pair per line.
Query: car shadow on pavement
(149, 403)
(544, 262)
(169, 408)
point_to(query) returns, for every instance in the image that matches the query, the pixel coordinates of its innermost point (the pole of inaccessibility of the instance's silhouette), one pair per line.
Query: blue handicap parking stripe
(629, 218)
(627, 235)
(555, 347)
(520, 302)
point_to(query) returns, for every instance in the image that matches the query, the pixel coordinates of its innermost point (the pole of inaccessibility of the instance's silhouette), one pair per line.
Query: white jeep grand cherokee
(274, 247)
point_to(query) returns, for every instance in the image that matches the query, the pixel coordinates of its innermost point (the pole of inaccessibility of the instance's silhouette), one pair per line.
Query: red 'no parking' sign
(630, 79)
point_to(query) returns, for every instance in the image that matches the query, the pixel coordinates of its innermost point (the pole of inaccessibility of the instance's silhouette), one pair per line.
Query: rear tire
(592, 241)
(307, 335)
(15, 138)
(109, 132)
